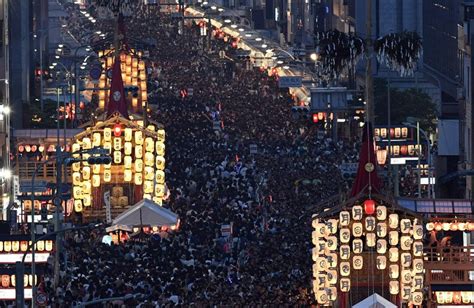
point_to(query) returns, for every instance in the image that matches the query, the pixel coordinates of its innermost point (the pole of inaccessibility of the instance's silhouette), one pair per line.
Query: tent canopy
(146, 213)
(375, 301)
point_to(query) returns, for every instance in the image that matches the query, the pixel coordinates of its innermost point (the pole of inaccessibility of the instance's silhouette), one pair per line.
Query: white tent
(147, 213)
(375, 301)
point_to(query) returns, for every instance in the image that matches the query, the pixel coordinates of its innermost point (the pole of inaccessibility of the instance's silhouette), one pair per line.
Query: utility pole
(369, 82)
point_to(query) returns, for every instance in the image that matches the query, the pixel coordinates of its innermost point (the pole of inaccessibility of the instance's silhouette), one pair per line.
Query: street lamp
(431, 192)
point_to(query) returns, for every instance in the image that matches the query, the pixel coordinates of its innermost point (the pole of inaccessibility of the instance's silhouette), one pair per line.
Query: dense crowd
(214, 180)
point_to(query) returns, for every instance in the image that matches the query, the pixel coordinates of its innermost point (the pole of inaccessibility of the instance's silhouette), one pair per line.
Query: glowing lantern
(393, 254)
(96, 140)
(381, 262)
(446, 226)
(357, 212)
(160, 192)
(160, 148)
(160, 163)
(107, 175)
(438, 226)
(117, 157)
(381, 212)
(418, 266)
(345, 269)
(76, 178)
(138, 137)
(138, 179)
(127, 175)
(370, 224)
(77, 192)
(149, 159)
(117, 143)
(23, 246)
(117, 130)
(381, 229)
(417, 298)
(417, 232)
(393, 221)
(393, 238)
(108, 145)
(128, 134)
(357, 229)
(314, 223)
(321, 264)
(369, 207)
(405, 225)
(28, 148)
(418, 248)
(470, 226)
(49, 245)
(344, 252)
(461, 226)
(86, 173)
(405, 242)
(357, 246)
(344, 218)
(406, 293)
(148, 187)
(15, 246)
(430, 226)
(331, 259)
(96, 169)
(21, 148)
(344, 235)
(332, 276)
(96, 180)
(453, 226)
(107, 134)
(321, 297)
(149, 144)
(405, 277)
(405, 259)
(357, 262)
(127, 162)
(5, 281)
(332, 243)
(381, 246)
(161, 135)
(149, 174)
(86, 143)
(87, 201)
(138, 151)
(128, 148)
(394, 271)
(345, 285)
(331, 223)
(370, 239)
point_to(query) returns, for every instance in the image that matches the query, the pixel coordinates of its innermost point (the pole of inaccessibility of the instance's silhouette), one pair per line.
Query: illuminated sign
(12, 258)
(6, 294)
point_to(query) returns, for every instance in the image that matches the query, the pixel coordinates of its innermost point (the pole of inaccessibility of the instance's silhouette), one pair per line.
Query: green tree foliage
(404, 103)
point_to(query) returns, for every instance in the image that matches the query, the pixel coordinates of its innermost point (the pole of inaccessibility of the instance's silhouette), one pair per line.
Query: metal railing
(453, 255)
(25, 170)
(449, 276)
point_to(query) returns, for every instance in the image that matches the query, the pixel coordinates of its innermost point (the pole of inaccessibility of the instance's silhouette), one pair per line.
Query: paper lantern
(321, 264)
(417, 281)
(15, 246)
(331, 225)
(30, 280)
(314, 223)
(160, 163)
(393, 221)
(77, 192)
(315, 254)
(331, 259)
(393, 254)
(446, 226)
(86, 173)
(370, 239)
(417, 232)
(149, 144)
(76, 178)
(96, 180)
(417, 298)
(107, 175)
(394, 271)
(148, 187)
(86, 143)
(161, 135)
(357, 262)
(345, 269)
(7, 246)
(369, 207)
(160, 148)
(127, 175)
(76, 167)
(393, 238)
(128, 134)
(357, 212)
(344, 218)
(138, 179)
(147, 196)
(160, 191)
(344, 252)
(117, 143)
(314, 238)
(381, 212)
(117, 157)
(357, 246)
(138, 138)
(453, 226)
(406, 259)
(149, 159)
(107, 134)
(138, 165)
(344, 235)
(405, 277)
(405, 242)
(381, 246)
(405, 293)
(381, 229)
(461, 226)
(24, 246)
(418, 266)
(321, 297)
(96, 169)
(138, 151)
(96, 140)
(332, 276)
(470, 226)
(418, 248)
(160, 177)
(438, 226)
(345, 285)
(86, 200)
(430, 226)
(405, 225)
(40, 245)
(381, 262)
(48, 245)
(357, 229)
(127, 148)
(331, 243)
(370, 223)
(5, 281)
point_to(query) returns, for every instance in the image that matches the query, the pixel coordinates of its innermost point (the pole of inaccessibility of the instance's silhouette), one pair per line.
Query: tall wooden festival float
(135, 144)
(367, 244)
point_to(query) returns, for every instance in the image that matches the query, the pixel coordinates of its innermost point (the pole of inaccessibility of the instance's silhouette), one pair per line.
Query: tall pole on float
(369, 81)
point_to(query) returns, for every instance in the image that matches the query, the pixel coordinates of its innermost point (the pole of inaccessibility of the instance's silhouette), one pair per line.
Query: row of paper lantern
(10, 280)
(22, 246)
(450, 226)
(454, 297)
(325, 256)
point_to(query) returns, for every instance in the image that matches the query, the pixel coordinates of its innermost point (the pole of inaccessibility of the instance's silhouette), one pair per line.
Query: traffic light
(300, 112)
(99, 160)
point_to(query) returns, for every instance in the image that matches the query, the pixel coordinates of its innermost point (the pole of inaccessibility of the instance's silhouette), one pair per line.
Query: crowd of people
(267, 195)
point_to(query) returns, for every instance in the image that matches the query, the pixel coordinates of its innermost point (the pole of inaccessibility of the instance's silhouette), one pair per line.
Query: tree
(404, 103)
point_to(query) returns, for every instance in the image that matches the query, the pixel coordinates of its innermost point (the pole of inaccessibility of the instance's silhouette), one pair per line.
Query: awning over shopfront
(147, 213)
(375, 301)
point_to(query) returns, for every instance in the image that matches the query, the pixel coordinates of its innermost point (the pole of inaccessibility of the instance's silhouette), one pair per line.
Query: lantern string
(369, 140)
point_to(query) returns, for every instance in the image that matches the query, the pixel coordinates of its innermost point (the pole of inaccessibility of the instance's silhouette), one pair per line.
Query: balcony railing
(25, 170)
(449, 258)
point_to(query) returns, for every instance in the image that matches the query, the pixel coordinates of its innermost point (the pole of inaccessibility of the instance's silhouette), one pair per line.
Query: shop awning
(375, 301)
(147, 213)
